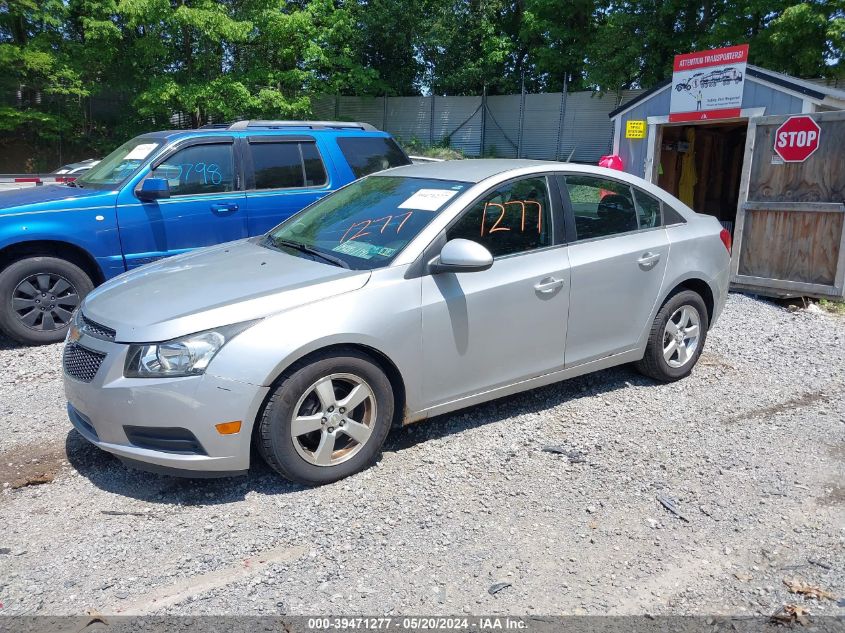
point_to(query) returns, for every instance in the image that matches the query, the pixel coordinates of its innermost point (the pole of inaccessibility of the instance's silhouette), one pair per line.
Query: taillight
(725, 236)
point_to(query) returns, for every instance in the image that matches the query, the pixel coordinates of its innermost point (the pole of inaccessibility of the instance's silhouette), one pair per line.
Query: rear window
(367, 155)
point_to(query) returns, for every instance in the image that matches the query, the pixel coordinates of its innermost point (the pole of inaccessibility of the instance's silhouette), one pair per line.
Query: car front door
(618, 252)
(284, 175)
(487, 329)
(205, 206)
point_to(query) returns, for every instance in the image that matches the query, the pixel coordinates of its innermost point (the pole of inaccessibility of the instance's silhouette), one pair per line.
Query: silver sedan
(407, 294)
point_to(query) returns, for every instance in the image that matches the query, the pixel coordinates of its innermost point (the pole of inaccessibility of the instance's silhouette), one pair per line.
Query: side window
(670, 216)
(315, 171)
(512, 219)
(199, 169)
(648, 209)
(287, 165)
(369, 154)
(276, 165)
(602, 207)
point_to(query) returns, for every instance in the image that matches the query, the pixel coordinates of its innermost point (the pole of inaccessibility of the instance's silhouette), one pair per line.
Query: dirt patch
(804, 400)
(31, 465)
(836, 497)
(709, 359)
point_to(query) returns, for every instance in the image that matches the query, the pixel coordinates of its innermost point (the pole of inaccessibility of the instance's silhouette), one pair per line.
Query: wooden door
(790, 230)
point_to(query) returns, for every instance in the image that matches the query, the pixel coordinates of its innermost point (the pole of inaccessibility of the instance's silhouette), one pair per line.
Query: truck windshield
(119, 165)
(366, 224)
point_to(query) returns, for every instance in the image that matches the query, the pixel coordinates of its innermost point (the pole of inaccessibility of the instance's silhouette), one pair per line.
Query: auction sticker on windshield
(428, 199)
(363, 250)
(140, 152)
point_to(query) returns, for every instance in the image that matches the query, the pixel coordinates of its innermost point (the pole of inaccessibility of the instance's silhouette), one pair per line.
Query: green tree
(37, 72)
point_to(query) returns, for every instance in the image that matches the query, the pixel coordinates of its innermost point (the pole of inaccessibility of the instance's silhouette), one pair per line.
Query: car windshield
(119, 165)
(366, 224)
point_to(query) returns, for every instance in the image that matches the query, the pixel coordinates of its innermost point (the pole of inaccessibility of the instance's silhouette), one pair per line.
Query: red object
(612, 161)
(704, 115)
(797, 139)
(725, 236)
(714, 57)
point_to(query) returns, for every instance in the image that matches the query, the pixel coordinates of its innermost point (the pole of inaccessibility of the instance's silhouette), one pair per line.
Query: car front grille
(97, 330)
(81, 363)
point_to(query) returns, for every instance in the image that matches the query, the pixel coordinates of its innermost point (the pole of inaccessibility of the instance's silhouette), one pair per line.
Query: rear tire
(676, 339)
(37, 297)
(305, 432)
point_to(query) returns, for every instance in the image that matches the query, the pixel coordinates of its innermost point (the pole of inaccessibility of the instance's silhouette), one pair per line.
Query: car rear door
(618, 253)
(284, 175)
(205, 207)
(508, 323)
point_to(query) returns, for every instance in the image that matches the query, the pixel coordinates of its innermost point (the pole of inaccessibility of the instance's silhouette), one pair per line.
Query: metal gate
(790, 227)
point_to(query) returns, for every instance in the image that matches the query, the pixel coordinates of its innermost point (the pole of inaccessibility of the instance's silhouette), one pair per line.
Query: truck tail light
(725, 236)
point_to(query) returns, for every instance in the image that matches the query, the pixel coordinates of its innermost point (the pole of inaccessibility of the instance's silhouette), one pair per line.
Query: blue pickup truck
(161, 194)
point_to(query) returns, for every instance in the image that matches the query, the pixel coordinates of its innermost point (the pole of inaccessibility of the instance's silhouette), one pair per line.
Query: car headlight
(185, 356)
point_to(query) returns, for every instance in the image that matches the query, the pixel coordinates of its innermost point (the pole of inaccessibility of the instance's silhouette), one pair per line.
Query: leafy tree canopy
(215, 60)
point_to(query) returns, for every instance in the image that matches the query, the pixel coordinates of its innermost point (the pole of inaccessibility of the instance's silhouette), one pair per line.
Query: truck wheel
(38, 296)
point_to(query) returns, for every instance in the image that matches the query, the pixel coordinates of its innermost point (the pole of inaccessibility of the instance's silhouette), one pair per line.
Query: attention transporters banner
(708, 85)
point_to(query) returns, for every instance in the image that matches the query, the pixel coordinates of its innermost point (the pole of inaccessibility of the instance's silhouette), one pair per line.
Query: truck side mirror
(153, 189)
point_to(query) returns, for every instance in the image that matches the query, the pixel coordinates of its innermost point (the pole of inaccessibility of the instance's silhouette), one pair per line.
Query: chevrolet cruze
(404, 295)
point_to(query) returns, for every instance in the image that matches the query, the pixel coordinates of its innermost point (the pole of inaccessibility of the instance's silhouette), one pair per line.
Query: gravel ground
(750, 448)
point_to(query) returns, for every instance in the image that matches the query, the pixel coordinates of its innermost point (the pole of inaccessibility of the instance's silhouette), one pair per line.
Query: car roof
(477, 170)
(469, 170)
(167, 135)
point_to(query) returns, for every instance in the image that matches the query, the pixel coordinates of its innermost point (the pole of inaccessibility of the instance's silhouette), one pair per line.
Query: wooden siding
(790, 233)
(800, 246)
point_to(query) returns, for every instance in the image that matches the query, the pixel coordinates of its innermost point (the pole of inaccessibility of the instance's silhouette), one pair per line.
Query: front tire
(677, 338)
(38, 296)
(326, 419)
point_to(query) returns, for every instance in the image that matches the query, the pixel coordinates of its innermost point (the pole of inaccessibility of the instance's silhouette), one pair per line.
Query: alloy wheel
(45, 301)
(681, 336)
(333, 419)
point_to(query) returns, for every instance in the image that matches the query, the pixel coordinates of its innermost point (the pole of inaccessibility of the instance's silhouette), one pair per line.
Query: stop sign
(797, 139)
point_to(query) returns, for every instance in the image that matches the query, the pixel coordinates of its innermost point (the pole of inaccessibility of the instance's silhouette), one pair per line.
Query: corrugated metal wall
(501, 135)
(409, 118)
(457, 119)
(543, 126)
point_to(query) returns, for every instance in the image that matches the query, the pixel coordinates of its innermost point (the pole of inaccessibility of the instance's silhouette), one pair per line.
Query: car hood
(52, 198)
(211, 287)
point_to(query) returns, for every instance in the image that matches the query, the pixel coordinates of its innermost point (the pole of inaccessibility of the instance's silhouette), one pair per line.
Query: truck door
(206, 204)
(284, 175)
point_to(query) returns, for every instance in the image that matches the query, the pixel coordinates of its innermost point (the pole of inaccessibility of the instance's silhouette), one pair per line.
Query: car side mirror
(153, 189)
(461, 256)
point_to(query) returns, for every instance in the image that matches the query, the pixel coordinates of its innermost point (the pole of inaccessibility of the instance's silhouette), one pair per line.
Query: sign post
(708, 85)
(797, 139)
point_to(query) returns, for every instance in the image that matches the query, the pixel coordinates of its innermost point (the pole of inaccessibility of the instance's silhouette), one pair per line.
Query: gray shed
(728, 168)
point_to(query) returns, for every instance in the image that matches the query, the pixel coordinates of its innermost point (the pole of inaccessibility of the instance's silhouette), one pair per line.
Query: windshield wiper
(71, 183)
(302, 248)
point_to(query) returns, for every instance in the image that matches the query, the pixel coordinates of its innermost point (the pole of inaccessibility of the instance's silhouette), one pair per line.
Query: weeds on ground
(834, 307)
(416, 147)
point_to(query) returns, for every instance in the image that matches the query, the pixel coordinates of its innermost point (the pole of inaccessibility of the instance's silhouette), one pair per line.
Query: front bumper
(105, 409)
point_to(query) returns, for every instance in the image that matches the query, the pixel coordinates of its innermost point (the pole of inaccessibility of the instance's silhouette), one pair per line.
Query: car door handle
(224, 208)
(548, 285)
(648, 260)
